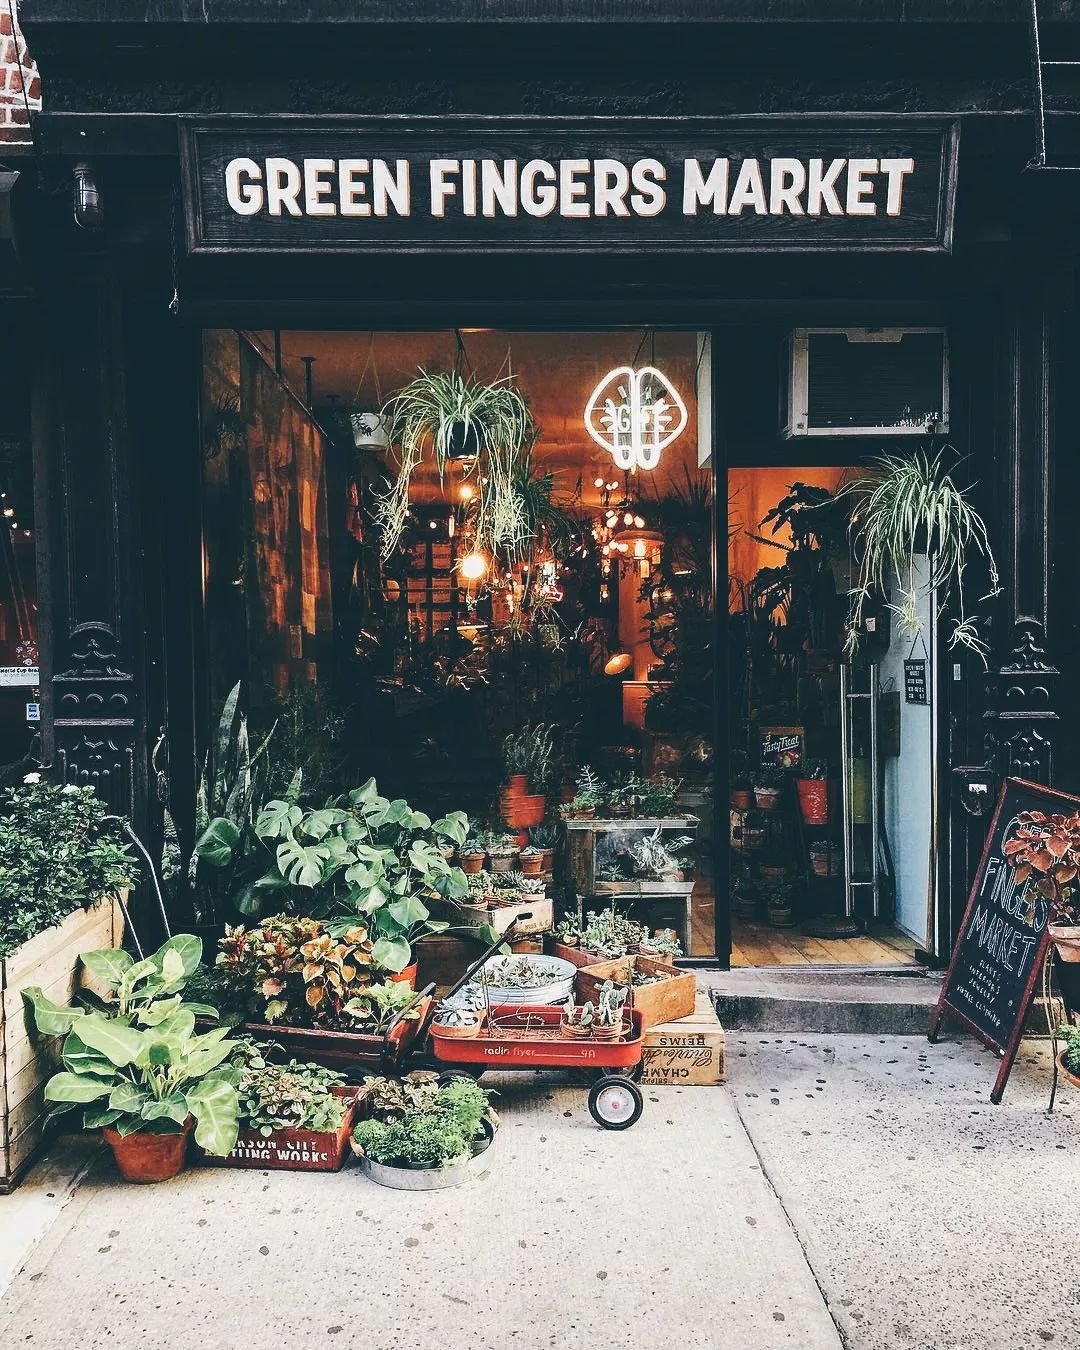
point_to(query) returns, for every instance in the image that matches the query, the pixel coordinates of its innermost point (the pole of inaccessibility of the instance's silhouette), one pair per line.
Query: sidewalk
(664, 1234)
(840, 1191)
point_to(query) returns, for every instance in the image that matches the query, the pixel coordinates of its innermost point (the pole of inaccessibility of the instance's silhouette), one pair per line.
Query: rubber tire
(599, 1087)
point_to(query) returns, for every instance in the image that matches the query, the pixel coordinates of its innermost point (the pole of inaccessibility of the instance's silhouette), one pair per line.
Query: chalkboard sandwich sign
(1025, 880)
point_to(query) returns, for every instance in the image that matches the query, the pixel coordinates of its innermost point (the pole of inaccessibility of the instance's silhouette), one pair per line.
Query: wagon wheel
(590, 1076)
(615, 1102)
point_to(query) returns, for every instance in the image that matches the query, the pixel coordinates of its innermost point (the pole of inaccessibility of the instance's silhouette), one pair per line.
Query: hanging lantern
(369, 431)
(634, 415)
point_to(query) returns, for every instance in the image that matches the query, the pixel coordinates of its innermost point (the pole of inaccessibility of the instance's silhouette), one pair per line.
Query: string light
(473, 566)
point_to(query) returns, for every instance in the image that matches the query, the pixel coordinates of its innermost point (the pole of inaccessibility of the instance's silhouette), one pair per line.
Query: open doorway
(527, 641)
(832, 752)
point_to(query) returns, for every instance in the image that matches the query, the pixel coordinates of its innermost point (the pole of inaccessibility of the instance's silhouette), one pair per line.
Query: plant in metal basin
(428, 1146)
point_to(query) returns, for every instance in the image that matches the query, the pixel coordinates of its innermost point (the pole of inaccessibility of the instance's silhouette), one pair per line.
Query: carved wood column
(1021, 720)
(92, 719)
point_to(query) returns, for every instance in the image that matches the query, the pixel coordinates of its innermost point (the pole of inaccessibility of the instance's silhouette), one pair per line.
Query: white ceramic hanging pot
(369, 430)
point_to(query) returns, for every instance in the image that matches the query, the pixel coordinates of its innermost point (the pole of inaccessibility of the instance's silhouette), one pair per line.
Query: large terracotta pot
(406, 976)
(523, 812)
(471, 863)
(1066, 938)
(517, 785)
(149, 1157)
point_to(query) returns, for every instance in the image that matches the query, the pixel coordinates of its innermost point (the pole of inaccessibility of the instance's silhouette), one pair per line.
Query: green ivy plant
(59, 850)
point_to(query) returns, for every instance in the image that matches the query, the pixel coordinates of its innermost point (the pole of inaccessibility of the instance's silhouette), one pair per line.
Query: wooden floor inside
(759, 944)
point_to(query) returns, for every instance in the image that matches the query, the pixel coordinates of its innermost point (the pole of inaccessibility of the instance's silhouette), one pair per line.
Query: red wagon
(528, 1036)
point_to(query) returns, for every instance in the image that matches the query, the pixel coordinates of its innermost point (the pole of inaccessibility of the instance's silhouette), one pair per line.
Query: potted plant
(778, 901)
(812, 787)
(588, 796)
(608, 1025)
(741, 786)
(502, 853)
(545, 837)
(292, 1117)
(447, 417)
(428, 1144)
(532, 861)
(458, 1023)
(1068, 1056)
(1044, 853)
(528, 761)
(568, 931)
(146, 1079)
(472, 854)
(819, 857)
(577, 1021)
(63, 863)
(769, 780)
(658, 798)
(664, 945)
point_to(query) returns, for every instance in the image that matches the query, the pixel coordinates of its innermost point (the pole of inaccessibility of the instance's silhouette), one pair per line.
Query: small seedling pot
(612, 1033)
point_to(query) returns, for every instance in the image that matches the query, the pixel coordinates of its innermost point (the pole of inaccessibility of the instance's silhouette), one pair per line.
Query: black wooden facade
(118, 306)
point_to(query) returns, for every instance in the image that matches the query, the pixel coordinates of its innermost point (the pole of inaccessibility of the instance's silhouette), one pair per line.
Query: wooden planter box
(50, 960)
(340, 1050)
(292, 1150)
(664, 1002)
(539, 906)
(688, 1052)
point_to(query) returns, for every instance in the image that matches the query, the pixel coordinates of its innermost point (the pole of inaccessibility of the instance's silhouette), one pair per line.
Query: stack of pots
(520, 808)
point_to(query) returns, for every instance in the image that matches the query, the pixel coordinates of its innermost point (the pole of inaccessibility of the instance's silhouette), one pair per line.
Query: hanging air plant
(907, 507)
(450, 417)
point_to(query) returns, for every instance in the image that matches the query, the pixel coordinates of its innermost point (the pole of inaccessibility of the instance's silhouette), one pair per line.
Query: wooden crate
(539, 906)
(664, 1002)
(685, 1053)
(50, 960)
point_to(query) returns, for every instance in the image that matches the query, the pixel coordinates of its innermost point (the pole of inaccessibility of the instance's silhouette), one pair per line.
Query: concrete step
(832, 1000)
(837, 1000)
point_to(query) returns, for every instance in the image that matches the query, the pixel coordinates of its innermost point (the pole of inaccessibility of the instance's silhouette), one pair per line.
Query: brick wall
(17, 71)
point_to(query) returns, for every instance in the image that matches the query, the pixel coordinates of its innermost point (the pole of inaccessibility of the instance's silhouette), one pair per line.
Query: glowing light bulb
(599, 482)
(473, 566)
(628, 519)
(639, 522)
(466, 492)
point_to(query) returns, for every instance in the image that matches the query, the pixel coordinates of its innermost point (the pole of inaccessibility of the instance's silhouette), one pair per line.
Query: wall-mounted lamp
(89, 210)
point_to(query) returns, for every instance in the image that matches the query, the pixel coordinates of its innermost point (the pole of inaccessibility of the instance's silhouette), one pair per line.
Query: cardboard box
(685, 1053)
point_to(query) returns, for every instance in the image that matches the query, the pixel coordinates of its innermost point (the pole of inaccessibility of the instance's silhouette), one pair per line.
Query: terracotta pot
(813, 800)
(766, 799)
(614, 1033)
(532, 864)
(517, 785)
(522, 813)
(741, 799)
(547, 859)
(574, 1032)
(406, 976)
(149, 1157)
(502, 862)
(455, 1033)
(1066, 938)
(1066, 1073)
(471, 863)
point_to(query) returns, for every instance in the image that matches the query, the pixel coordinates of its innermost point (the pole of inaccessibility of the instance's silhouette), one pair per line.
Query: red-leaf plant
(1048, 847)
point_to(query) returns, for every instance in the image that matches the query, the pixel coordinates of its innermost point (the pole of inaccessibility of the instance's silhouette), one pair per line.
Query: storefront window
(453, 607)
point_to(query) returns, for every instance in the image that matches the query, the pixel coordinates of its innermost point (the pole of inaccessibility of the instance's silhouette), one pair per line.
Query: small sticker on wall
(33, 712)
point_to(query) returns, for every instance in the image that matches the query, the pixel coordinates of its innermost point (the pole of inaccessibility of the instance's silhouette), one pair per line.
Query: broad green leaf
(119, 1043)
(303, 866)
(128, 1098)
(215, 1106)
(172, 967)
(173, 1107)
(366, 792)
(187, 947)
(50, 1019)
(159, 1054)
(409, 911)
(200, 1062)
(292, 792)
(109, 965)
(217, 842)
(317, 824)
(80, 1059)
(139, 971)
(453, 826)
(73, 1087)
(392, 953)
(156, 1013)
(99, 1114)
(278, 819)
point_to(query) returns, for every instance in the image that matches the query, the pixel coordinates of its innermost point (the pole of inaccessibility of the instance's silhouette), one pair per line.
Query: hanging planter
(369, 430)
(446, 418)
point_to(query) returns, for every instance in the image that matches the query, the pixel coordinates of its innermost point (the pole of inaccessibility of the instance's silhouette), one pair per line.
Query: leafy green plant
(428, 1140)
(374, 1008)
(59, 850)
(141, 1067)
(544, 836)
(448, 416)
(770, 777)
(588, 795)
(610, 1004)
(229, 858)
(1071, 1036)
(530, 752)
(390, 1098)
(910, 506)
(292, 1096)
(658, 797)
(292, 970)
(666, 942)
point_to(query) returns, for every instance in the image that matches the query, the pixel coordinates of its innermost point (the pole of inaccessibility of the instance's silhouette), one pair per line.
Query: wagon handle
(386, 1062)
(500, 941)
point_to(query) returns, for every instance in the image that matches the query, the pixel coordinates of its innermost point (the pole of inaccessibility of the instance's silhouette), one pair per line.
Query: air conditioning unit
(868, 382)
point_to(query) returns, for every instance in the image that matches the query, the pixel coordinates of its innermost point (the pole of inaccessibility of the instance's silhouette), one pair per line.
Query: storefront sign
(19, 675)
(514, 184)
(1002, 941)
(635, 415)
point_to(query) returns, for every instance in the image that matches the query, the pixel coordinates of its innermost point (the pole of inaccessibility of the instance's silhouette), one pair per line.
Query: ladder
(1040, 70)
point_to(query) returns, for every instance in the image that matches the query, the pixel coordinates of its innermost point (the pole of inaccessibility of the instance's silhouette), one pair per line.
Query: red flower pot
(149, 1157)
(741, 798)
(813, 800)
(406, 976)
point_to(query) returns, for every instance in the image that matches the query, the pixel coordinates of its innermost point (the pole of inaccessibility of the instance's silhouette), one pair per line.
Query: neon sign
(635, 415)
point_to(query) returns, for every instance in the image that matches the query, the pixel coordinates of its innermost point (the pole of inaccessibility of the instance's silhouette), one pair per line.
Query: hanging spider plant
(447, 417)
(910, 506)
